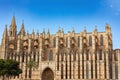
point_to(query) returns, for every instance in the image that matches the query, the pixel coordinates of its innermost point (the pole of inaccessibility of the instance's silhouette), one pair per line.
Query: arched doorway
(47, 74)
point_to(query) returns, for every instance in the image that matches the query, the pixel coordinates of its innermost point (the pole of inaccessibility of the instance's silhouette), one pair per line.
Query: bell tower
(13, 27)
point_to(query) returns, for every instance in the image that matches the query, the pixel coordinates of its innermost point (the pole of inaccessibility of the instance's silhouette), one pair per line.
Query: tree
(31, 64)
(9, 68)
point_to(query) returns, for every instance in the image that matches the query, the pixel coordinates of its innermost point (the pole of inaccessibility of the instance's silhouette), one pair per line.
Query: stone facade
(71, 56)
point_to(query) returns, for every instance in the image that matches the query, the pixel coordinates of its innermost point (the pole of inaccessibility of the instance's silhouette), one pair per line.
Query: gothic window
(101, 40)
(38, 58)
(26, 57)
(62, 71)
(90, 41)
(87, 56)
(74, 57)
(67, 42)
(110, 71)
(92, 69)
(23, 56)
(78, 41)
(34, 57)
(82, 66)
(87, 71)
(62, 57)
(50, 56)
(57, 61)
(100, 54)
(116, 71)
(70, 66)
(54, 42)
(115, 57)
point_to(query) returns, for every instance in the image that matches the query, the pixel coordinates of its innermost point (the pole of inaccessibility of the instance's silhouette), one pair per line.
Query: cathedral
(61, 56)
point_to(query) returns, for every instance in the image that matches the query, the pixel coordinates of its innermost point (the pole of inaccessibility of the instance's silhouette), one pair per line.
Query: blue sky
(50, 14)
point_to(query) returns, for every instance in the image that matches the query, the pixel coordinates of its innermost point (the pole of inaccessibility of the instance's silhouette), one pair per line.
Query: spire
(62, 30)
(59, 29)
(33, 32)
(5, 34)
(108, 28)
(95, 28)
(73, 30)
(44, 30)
(37, 32)
(85, 29)
(48, 31)
(13, 23)
(22, 31)
(13, 27)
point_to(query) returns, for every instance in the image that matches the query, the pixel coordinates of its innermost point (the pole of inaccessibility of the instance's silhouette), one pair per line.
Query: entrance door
(47, 74)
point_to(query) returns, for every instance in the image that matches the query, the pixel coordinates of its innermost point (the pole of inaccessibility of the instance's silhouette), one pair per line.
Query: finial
(62, 30)
(73, 30)
(95, 28)
(48, 31)
(59, 29)
(107, 25)
(44, 30)
(33, 31)
(37, 32)
(84, 28)
(5, 34)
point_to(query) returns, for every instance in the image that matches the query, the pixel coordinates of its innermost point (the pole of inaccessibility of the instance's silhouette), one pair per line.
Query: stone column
(59, 66)
(68, 65)
(113, 66)
(80, 65)
(76, 66)
(89, 65)
(94, 65)
(118, 54)
(64, 68)
(72, 66)
(98, 66)
(84, 64)
(107, 65)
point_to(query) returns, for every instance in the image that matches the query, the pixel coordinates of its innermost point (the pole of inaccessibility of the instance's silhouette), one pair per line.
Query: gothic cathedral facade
(71, 56)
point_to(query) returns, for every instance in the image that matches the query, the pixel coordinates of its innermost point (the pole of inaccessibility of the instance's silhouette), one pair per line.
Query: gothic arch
(47, 74)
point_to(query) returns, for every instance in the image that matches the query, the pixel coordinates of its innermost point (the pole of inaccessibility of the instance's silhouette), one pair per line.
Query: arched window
(100, 54)
(116, 71)
(67, 42)
(54, 42)
(78, 41)
(23, 56)
(115, 57)
(87, 56)
(50, 56)
(101, 40)
(62, 71)
(90, 41)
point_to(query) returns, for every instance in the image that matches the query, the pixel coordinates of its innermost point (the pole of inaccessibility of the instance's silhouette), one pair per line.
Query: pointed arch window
(54, 42)
(78, 41)
(101, 40)
(62, 71)
(51, 56)
(116, 71)
(67, 42)
(90, 41)
(100, 54)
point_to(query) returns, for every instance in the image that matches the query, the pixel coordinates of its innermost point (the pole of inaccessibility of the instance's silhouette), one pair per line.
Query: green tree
(9, 68)
(31, 65)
